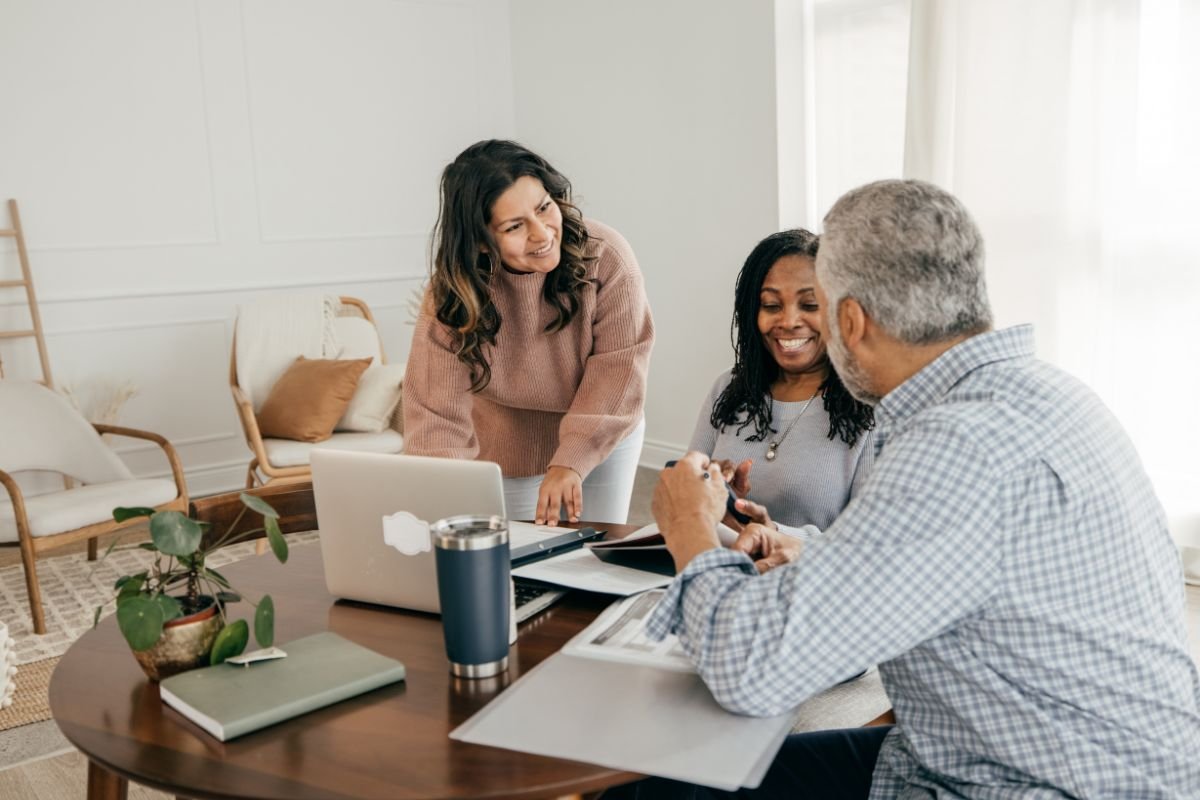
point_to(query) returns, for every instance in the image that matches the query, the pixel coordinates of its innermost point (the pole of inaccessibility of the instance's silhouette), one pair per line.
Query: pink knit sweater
(563, 399)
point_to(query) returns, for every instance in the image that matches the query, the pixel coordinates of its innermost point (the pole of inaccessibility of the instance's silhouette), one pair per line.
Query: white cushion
(357, 338)
(39, 430)
(273, 330)
(59, 512)
(288, 453)
(374, 400)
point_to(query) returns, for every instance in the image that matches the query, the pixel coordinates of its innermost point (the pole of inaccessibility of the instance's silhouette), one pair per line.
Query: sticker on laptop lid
(406, 533)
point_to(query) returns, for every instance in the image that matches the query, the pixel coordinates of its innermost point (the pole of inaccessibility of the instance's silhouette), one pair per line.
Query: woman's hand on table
(562, 486)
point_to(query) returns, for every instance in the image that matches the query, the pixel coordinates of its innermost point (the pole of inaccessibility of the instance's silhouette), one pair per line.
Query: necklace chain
(774, 445)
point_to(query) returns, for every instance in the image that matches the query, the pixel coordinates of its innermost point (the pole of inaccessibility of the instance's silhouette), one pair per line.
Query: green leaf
(128, 585)
(216, 576)
(264, 622)
(122, 513)
(275, 537)
(228, 597)
(174, 533)
(148, 546)
(140, 620)
(231, 641)
(171, 607)
(258, 504)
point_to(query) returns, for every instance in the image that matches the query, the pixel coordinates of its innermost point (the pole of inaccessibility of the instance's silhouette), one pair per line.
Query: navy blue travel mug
(473, 590)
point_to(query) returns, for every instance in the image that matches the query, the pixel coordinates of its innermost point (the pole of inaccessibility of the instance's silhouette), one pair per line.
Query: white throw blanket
(272, 331)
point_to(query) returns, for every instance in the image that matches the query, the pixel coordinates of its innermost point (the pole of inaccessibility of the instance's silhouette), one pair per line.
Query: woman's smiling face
(527, 226)
(789, 316)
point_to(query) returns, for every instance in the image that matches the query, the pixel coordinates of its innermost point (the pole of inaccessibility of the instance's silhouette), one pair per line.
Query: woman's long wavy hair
(747, 398)
(466, 259)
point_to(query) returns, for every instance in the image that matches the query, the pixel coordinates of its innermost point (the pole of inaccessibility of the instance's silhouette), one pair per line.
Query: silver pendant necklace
(774, 445)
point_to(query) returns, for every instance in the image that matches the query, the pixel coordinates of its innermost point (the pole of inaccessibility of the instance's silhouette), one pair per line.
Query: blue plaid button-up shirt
(1008, 567)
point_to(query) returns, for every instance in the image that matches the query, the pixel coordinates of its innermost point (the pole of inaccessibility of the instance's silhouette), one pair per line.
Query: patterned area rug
(72, 587)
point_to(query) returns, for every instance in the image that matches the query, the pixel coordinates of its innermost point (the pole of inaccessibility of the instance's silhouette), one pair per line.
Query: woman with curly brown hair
(533, 340)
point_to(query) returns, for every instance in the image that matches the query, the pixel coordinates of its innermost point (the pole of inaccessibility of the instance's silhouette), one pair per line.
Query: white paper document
(645, 714)
(521, 534)
(582, 569)
(619, 634)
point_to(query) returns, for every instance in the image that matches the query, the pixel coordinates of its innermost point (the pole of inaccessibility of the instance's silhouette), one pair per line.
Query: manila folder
(629, 717)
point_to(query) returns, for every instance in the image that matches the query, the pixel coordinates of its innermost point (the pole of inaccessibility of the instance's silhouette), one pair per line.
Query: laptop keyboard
(533, 597)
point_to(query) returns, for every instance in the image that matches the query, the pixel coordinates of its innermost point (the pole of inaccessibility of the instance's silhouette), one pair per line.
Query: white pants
(606, 491)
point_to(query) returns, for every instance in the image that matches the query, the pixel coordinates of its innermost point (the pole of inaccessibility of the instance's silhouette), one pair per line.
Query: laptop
(365, 500)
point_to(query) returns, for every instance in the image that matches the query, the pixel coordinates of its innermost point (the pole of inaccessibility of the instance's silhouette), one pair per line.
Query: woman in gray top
(782, 410)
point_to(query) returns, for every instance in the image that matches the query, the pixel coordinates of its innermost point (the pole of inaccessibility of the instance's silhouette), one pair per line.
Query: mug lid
(469, 532)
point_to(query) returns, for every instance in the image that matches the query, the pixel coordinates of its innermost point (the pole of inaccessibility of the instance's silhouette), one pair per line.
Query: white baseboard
(217, 481)
(657, 453)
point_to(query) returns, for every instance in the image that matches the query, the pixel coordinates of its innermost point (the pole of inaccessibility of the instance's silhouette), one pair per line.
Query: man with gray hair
(1006, 565)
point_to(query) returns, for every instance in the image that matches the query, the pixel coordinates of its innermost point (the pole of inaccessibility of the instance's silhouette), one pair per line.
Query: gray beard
(853, 377)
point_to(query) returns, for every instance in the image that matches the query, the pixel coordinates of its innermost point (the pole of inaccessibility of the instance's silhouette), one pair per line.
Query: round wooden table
(391, 743)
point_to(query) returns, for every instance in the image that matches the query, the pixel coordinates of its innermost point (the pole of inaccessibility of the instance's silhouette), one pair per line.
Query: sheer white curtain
(1072, 132)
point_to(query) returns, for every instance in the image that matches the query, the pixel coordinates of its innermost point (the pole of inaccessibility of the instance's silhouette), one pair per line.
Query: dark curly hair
(747, 398)
(465, 255)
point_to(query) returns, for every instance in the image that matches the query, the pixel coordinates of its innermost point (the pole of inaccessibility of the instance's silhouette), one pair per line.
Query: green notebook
(229, 701)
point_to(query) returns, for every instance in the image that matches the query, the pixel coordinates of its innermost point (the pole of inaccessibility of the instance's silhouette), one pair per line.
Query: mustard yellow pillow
(309, 399)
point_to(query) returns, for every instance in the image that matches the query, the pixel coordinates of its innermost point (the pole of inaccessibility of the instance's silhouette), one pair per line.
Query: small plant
(178, 583)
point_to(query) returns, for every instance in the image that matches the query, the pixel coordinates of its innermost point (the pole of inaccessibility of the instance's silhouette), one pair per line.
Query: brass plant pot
(185, 644)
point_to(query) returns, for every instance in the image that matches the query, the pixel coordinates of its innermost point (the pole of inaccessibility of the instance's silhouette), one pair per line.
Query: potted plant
(172, 613)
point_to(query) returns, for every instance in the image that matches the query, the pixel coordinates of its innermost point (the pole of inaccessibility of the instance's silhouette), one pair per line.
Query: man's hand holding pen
(689, 500)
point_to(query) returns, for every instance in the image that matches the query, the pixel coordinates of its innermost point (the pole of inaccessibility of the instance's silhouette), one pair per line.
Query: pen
(553, 546)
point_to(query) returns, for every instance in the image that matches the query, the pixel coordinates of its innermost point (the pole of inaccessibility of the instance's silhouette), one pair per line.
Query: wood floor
(59, 778)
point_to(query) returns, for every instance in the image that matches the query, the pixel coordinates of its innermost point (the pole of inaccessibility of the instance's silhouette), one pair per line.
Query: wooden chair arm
(18, 503)
(168, 448)
(250, 431)
(244, 406)
(14, 491)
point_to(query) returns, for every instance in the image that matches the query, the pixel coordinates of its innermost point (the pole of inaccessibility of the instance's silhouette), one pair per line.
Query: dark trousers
(822, 765)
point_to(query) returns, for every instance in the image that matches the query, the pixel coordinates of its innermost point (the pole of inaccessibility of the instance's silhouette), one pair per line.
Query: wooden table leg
(104, 785)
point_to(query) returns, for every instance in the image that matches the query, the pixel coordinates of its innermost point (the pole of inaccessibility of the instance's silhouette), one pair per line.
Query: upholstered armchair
(41, 431)
(268, 337)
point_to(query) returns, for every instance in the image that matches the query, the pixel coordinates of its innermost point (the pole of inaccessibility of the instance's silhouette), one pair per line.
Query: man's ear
(852, 321)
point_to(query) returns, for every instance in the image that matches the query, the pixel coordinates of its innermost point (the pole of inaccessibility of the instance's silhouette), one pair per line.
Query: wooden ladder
(26, 281)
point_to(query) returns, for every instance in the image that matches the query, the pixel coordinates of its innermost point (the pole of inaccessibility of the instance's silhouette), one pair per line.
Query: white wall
(174, 158)
(663, 116)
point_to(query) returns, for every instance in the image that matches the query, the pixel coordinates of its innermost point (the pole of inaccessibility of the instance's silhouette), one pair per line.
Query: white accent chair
(285, 460)
(41, 431)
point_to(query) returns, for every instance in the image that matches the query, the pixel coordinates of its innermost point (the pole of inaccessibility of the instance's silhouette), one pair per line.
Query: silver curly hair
(911, 255)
